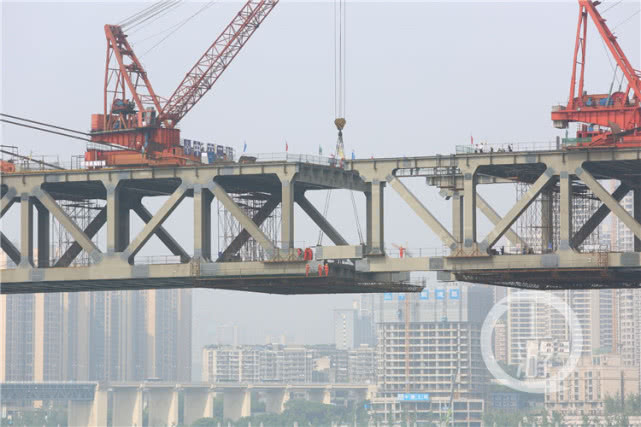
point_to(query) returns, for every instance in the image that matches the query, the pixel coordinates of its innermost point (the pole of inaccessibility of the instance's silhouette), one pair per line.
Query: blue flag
(353, 155)
(245, 147)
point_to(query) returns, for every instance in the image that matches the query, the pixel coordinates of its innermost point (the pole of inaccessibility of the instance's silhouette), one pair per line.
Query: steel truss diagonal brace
(427, 217)
(493, 216)
(506, 222)
(609, 201)
(598, 216)
(7, 201)
(72, 252)
(12, 252)
(81, 238)
(320, 220)
(162, 234)
(243, 219)
(259, 217)
(156, 221)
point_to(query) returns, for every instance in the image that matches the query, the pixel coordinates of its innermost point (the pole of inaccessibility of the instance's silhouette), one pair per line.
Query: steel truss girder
(369, 176)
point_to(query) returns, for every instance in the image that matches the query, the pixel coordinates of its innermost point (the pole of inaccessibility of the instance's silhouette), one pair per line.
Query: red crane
(143, 123)
(611, 119)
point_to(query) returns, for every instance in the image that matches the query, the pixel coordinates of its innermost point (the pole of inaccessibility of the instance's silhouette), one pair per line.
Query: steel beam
(12, 252)
(259, 217)
(430, 220)
(44, 222)
(243, 219)
(469, 209)
(72, 252)
(565, 214)
(82, 239)
(320, 220)
(7, 201)
(118, 224)
(156, 221)
(287, 215)
(547, 221)
(495, 218)
(26, 231)
(597, 217)
(610, 202)
(161, 233)
(457, 217)
(202, 223)
(375, 218)
(506, 222)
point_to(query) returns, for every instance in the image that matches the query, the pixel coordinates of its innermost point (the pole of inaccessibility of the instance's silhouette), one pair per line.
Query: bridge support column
(197, 404)
(127, 407)
(376, 218)
(287, 215)
(162, 403)
(43, 235)
(565, 229)
(26, 231)
(117, 219)
(469, 209)
(92, 413)
(547, 221)
(275, 400)
(202, 223)
(636, 200)
(237, 403)
(323, 395)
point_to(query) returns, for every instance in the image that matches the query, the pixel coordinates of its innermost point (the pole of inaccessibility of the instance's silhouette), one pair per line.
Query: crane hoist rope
(339, 75)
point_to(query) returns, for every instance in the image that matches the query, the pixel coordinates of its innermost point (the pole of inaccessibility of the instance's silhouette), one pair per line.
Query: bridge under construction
(555, 253)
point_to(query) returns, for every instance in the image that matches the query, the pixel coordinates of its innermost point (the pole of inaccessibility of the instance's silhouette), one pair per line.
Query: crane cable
(178, 26)
(339, 75)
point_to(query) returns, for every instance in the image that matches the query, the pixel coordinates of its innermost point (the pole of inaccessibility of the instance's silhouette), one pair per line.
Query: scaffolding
(82, 213)
(229, 228)
(532, 227)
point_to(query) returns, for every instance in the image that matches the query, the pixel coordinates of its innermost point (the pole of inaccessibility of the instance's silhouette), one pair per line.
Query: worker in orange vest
(320, 270)
(306, 270)
(326, 269)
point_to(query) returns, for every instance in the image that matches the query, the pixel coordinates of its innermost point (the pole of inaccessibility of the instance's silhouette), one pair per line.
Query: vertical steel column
(287, 215)
(43, 235)
(118, 228)
(457, 217)
(26, 231)
(202, 223)
(636, 207)
(469, 208)
(376, 218)
(565, 184)
(368, 220)
(547, 221)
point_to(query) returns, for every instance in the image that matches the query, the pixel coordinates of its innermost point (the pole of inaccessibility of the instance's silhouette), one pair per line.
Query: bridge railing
(509, 147)
(298, 158)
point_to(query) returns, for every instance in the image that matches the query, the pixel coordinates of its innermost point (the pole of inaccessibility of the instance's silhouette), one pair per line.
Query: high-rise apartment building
(116, 336)
(429, 354)
(252, 364)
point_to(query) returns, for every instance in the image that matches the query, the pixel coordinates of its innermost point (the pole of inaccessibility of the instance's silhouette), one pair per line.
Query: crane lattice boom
(216, 59)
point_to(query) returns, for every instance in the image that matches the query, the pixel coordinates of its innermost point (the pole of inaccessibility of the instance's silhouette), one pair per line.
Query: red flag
(471, 140)
(286, 146)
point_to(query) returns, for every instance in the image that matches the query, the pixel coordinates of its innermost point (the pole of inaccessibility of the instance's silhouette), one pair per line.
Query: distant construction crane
(143, 123)
(610, 119)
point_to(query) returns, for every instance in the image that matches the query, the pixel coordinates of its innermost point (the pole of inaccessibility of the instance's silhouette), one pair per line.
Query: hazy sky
(421, 78)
